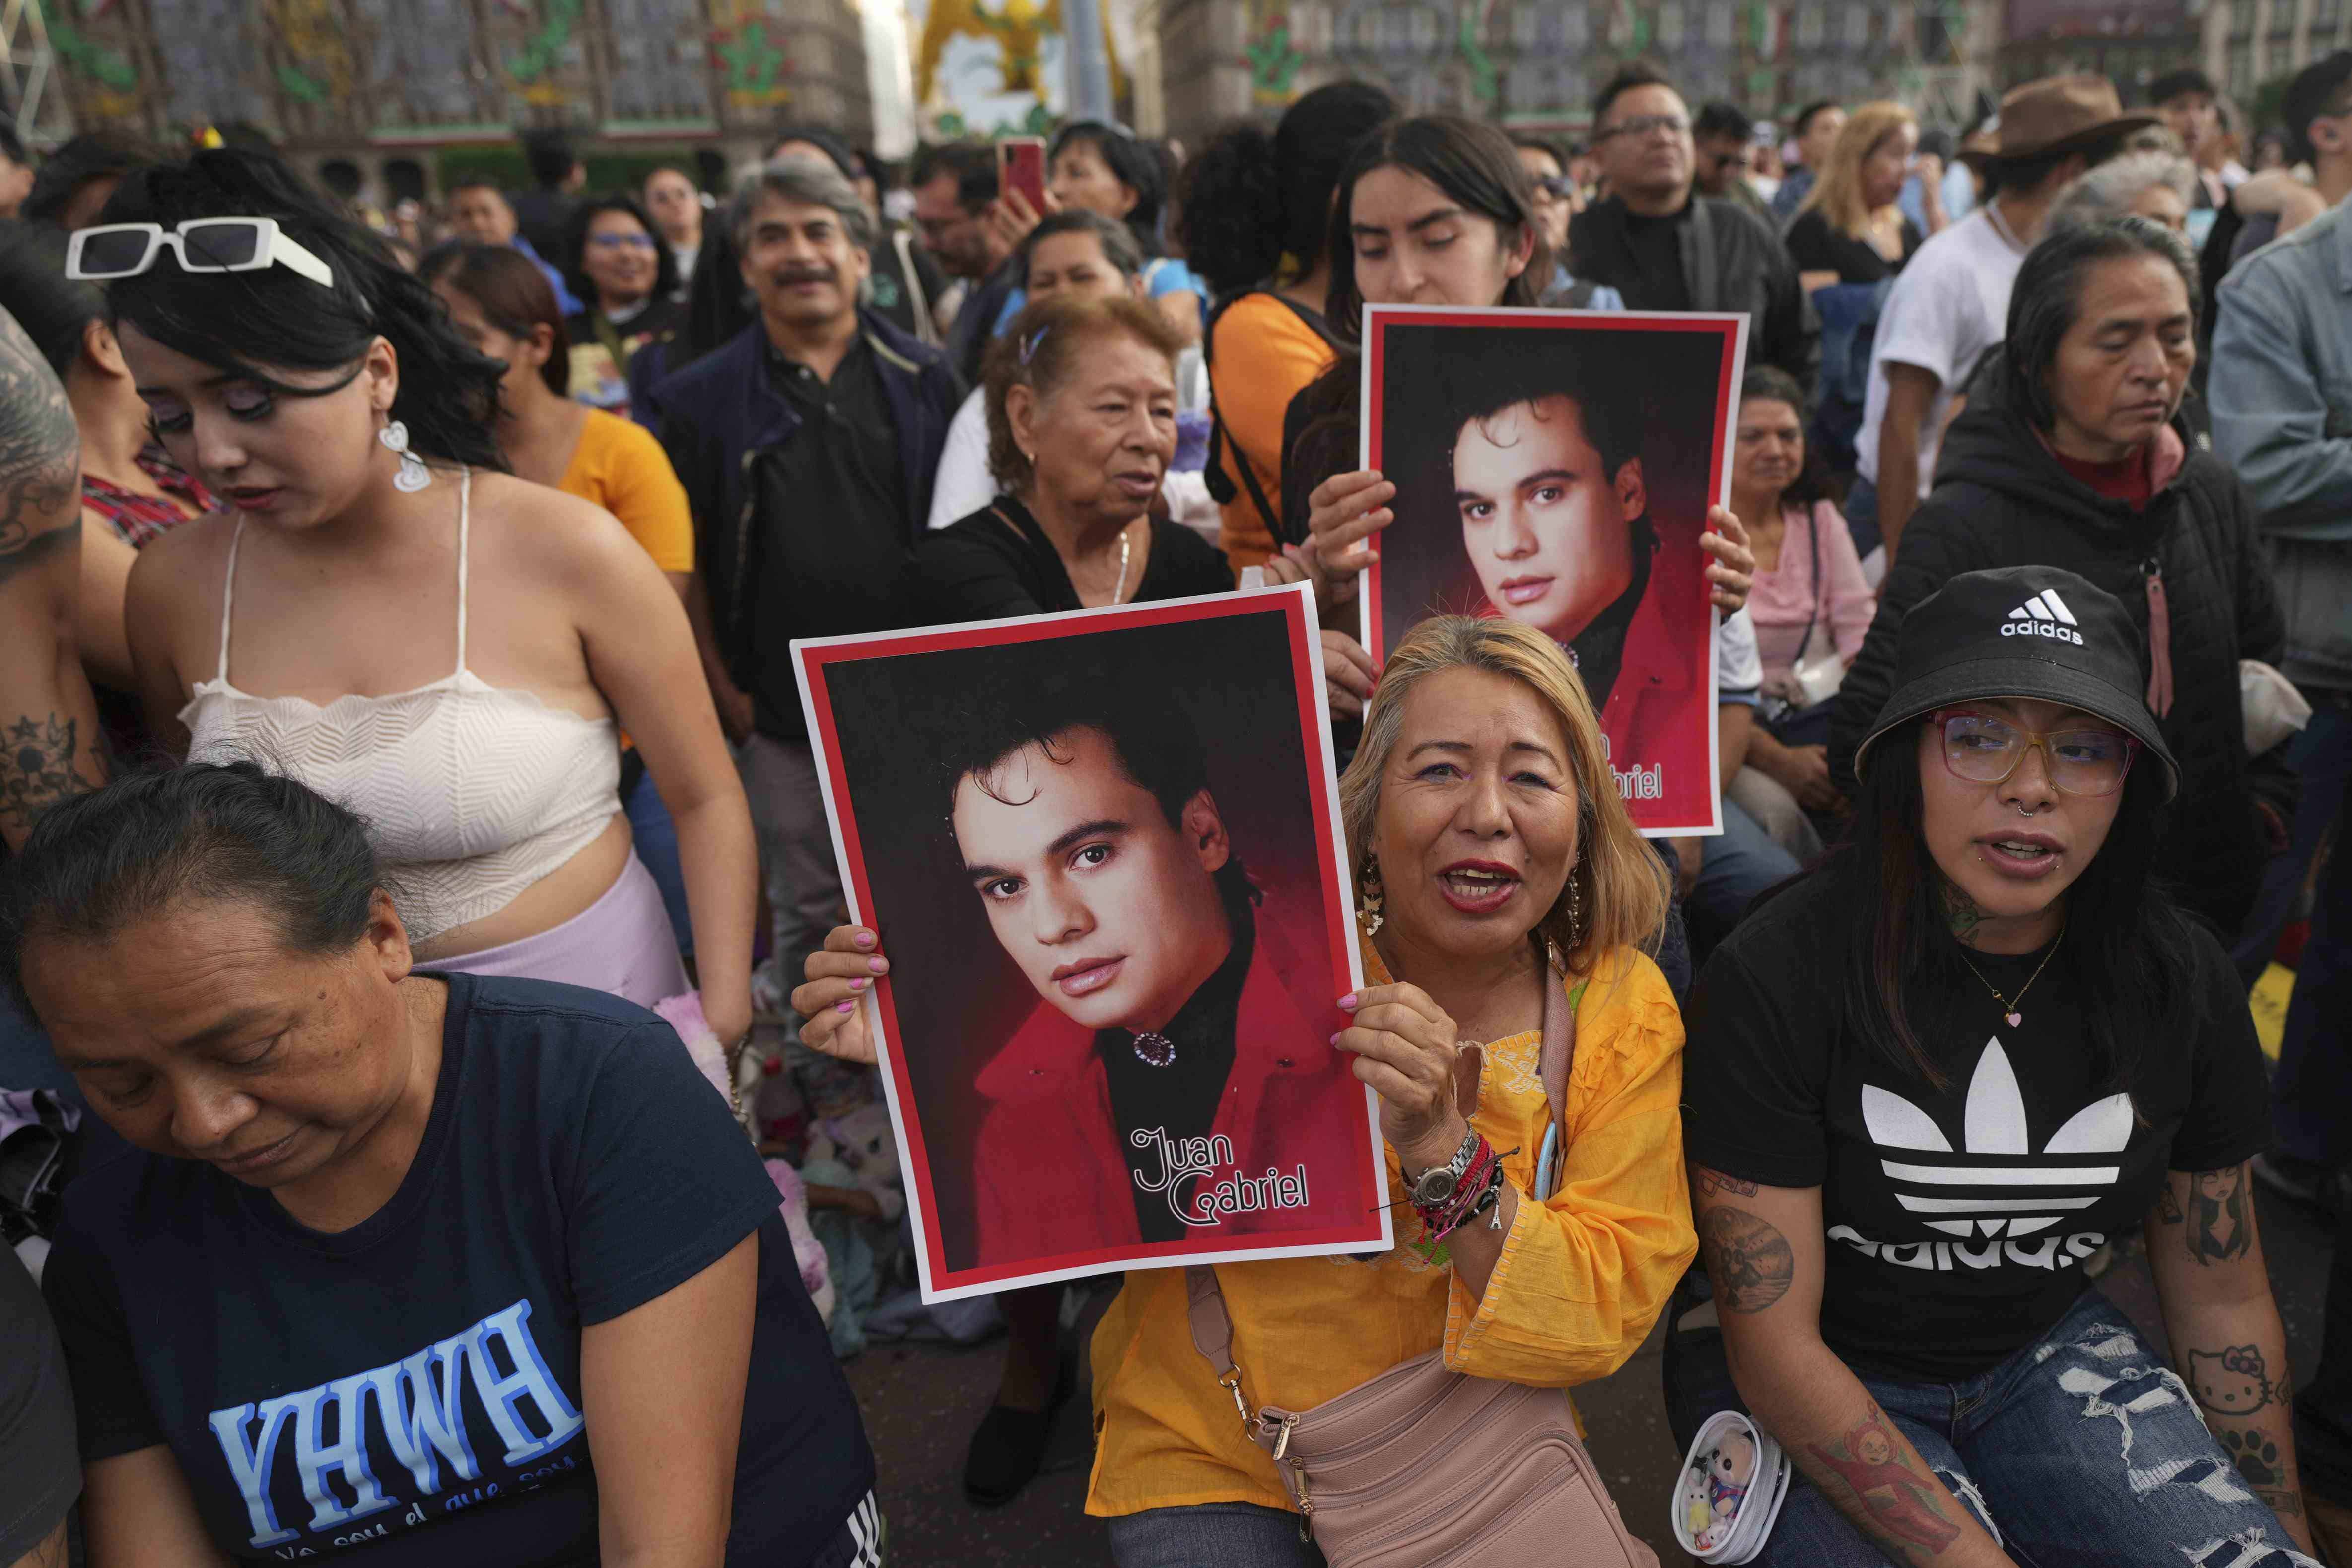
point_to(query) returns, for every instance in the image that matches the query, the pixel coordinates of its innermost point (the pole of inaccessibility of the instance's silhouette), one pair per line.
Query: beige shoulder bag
(1421, 1466)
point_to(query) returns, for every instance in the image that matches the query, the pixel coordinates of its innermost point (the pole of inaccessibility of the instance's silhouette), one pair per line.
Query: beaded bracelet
(1449, 1212)
(1489, 1196)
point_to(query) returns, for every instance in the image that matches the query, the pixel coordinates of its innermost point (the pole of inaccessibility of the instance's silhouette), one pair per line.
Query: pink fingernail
(1348, 1001)
(859, 985)
(1335, 1039)
(863, 939)
(877, 966)
(846, 1007)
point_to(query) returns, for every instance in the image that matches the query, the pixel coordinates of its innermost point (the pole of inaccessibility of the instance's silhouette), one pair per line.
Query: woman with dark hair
(1257, 220)
(2073, 453)
(1105, 168)
(1810, 605)
(1438, 211)
(616, 261)
(1931, 1080)
(674, 202)
(130, 492)
(500, 1235)
(329, 401)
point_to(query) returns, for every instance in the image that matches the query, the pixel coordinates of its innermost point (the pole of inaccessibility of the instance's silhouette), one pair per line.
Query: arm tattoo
(1714, 1184)
(36, 767)
(2221, 1216)
(1746, 1259)
(40, 455)
(1900, 1500)
(2235, 1380)
(2168, 1208)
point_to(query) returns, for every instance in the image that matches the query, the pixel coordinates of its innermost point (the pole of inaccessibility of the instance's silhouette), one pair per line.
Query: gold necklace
(2016, 1018)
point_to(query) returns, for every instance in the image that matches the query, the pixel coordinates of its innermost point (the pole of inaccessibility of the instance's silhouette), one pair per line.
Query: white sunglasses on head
(200, 244)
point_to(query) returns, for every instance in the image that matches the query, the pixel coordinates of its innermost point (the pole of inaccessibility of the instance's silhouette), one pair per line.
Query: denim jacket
(2282, 407)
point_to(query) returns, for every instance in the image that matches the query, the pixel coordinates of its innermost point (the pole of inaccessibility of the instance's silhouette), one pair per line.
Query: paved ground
(921, 1402)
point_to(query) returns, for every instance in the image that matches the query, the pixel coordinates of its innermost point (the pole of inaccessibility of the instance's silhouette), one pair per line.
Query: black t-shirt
(1181, 1097)
(1656, 246)
(998, 564)
(1957, 1218)
(1815, 246)
(832, 503)
(411, 1386)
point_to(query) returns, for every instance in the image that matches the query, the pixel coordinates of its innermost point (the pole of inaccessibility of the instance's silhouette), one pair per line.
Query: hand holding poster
(1102, 852)
(1555, 468)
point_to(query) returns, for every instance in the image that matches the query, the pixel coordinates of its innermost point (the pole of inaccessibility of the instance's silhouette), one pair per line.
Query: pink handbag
(1422, 1466)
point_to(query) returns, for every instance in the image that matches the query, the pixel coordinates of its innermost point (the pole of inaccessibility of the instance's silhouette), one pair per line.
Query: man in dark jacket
(806, 445)
(2072, 454)
(1665, 248)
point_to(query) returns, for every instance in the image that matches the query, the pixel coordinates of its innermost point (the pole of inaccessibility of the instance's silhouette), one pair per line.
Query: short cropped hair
(809, 182)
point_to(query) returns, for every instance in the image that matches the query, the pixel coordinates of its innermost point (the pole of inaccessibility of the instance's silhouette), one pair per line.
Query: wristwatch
(1434, 1186)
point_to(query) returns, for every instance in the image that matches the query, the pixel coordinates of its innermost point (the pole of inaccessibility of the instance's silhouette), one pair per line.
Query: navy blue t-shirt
(411, 1386)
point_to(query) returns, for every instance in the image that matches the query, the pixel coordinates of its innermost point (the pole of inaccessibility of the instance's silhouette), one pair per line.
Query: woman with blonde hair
(1497, 871)
(1851, 229)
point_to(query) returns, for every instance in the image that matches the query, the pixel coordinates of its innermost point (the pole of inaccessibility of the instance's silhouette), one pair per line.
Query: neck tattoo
(1960, 912)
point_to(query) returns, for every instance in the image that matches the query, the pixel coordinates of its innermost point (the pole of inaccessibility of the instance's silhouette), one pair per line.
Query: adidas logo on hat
(2043, 615)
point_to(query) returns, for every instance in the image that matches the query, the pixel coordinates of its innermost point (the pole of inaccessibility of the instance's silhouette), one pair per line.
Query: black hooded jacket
(2002, 499)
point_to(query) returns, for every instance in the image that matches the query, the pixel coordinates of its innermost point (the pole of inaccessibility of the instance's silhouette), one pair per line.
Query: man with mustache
(806, 445)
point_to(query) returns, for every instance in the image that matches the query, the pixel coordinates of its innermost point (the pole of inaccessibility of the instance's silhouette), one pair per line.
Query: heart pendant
(2014, 1018)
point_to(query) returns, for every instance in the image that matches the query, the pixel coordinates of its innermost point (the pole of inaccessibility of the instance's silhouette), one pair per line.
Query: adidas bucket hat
(2022, 631)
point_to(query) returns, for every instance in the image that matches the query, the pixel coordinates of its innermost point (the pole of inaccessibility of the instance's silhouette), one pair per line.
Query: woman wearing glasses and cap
(321, 622)
(1926, 1084)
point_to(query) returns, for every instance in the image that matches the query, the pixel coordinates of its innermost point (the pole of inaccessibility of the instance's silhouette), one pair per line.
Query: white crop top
(471, 792)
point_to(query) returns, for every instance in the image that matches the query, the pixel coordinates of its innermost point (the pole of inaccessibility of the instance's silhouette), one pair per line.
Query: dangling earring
(1368, 894)
(413, 475)
(1575, 913)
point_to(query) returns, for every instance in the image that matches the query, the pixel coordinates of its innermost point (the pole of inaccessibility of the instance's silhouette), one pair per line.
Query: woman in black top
(1925, 1085)
(1081, 428)
(1850, 229)
(616, 260)
(460, 1272)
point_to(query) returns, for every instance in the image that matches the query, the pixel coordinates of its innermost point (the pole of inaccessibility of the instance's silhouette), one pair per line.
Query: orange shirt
(622, 468)
(1581, 1278)
(1263, 356)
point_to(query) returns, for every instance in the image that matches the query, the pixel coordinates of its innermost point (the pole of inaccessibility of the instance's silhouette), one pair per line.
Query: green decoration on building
(951, 125)
(752, 61)
(1274, 64)
(96, 61)
(1485, 81)
(542, 52)
(300, 88)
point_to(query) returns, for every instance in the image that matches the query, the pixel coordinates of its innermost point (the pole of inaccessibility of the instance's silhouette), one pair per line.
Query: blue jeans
(2083, 1450)
(1735, 865)
(2314, 1081)
(1860, 511)
(657, 840)
(1227, 1535)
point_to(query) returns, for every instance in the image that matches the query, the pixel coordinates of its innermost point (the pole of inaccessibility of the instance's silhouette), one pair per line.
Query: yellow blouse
(1581, 1278)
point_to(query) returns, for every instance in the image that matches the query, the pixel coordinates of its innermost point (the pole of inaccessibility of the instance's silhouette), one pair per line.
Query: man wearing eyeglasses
(1723, 134)
(1663, 246)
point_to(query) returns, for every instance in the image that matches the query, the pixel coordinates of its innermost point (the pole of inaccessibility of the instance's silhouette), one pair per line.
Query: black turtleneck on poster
(1181, 1098)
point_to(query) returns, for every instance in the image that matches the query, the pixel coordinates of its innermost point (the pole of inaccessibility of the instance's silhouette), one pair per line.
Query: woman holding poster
(1496, 868)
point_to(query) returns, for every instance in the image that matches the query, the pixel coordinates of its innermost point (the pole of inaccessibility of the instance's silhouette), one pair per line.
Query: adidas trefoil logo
(2043, 615)
(1996, 1184)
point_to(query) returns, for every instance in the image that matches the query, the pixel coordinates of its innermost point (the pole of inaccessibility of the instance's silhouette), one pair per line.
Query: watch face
(1432, 1186)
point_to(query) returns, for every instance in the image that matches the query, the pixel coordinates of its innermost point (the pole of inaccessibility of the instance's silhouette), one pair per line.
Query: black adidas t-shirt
(1958, 1219)
(410, 1388)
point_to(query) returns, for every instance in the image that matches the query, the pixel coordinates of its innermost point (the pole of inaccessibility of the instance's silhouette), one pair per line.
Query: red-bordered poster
(1555, 468)
(1103, 853)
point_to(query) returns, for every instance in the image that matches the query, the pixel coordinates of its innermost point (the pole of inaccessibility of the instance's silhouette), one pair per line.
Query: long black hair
(55, 310)
(2053, 275)
(1474, 164)
(2128, 948)
(1133, 163)
(255, 323)
(575, 248)
(1253, 200)
(1773, 384)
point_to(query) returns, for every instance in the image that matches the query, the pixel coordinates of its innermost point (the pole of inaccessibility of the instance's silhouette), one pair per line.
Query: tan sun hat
(2056, 114)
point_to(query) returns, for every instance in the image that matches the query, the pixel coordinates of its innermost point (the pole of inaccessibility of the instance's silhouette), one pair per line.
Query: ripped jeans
(2082, 1451)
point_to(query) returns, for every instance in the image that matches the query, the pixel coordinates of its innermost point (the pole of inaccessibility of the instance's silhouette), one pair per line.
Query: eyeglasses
(622, 241)
(200, 244)
(1647, 125)
(1986, 751)
(1556, 186)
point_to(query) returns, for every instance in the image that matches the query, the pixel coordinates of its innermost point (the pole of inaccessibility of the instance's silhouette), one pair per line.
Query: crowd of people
(405, 755)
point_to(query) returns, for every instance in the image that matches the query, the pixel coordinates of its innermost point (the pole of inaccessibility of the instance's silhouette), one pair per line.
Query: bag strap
(1221, 443)
(1558, 1046)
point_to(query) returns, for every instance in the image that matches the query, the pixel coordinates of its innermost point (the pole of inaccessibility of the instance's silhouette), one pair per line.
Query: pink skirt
(623, 943)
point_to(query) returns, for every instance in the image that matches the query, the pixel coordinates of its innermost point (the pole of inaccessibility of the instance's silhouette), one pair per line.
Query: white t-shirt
(1739, 671)
(1949, 305)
